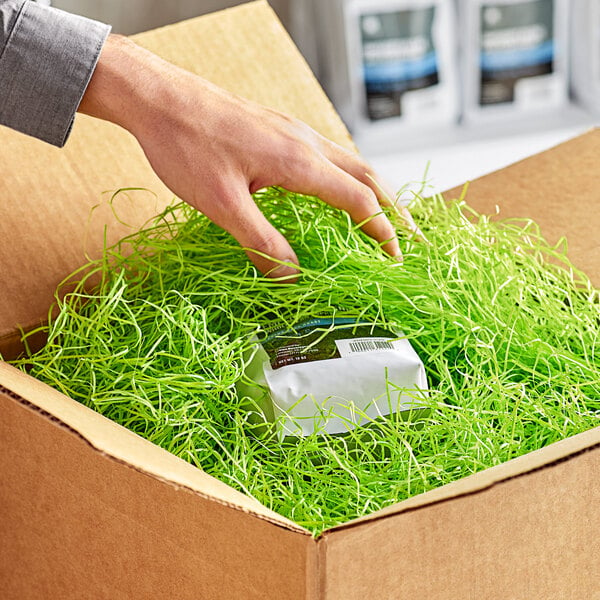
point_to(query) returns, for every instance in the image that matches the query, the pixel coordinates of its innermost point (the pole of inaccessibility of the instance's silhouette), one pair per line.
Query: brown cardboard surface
(520, 466)
(532, 537)
(48, 225)
(79, 524)
(124, 445)
(559, 189)
(91, 510)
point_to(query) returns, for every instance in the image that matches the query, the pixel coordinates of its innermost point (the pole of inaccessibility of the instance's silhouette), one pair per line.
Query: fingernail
(287, 271)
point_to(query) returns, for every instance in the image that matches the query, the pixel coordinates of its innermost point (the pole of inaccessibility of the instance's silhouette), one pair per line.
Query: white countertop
(464, 155)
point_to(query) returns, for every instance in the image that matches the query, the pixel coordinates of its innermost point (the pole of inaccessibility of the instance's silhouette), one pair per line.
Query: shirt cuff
(45, 68)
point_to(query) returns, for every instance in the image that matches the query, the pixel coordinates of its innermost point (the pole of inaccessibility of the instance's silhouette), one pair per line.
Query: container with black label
(515, 56)
(391, 63)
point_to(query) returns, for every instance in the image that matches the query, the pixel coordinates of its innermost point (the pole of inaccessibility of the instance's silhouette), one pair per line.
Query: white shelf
(464, 153)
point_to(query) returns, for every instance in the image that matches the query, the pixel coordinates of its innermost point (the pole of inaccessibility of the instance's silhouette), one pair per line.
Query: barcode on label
(370, 345)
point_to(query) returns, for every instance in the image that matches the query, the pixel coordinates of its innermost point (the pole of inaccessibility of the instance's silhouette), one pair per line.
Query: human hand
(214, 149)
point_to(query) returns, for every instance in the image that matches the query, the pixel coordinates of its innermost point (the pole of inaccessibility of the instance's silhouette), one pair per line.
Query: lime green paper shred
(506, 327)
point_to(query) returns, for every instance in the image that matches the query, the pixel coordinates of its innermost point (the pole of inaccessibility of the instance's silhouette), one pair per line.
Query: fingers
(342, 190)
(265, 246)
(356, 166)
(359, 168)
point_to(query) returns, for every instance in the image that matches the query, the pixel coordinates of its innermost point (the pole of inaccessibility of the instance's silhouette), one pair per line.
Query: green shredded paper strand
(507, 329)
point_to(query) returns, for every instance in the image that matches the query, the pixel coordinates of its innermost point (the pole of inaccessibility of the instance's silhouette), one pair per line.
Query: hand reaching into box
(214, 149)
(211, 148)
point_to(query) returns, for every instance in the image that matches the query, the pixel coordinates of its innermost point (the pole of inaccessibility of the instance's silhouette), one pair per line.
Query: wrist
(128, 86)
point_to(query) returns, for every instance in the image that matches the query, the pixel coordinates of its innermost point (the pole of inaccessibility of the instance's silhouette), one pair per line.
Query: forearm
(127, 85)
(145, 94)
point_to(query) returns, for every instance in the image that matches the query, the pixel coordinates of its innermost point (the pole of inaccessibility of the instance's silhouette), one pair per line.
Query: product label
(329, 375)
(398, 55)
(352, 346)
(324, 339)
(517, 42)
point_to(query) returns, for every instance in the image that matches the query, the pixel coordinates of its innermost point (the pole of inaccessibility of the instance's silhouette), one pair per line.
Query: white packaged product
(394, 65)
(332, 375)
(514, 57)
(585, 59)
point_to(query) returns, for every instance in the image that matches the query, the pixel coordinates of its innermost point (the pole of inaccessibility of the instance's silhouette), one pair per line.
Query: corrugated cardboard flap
(517, 467)
(120, 443)
(526, 529)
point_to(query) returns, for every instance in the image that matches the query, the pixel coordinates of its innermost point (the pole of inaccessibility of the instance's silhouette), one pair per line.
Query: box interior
(49, 228)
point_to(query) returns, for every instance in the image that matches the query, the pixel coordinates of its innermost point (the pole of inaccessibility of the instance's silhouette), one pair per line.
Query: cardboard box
(90, 510)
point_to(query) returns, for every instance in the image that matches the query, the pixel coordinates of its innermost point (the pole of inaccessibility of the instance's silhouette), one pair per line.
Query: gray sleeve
(47, 58)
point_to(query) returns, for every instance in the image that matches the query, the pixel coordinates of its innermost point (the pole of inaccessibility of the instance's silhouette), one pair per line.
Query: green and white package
(330, 375)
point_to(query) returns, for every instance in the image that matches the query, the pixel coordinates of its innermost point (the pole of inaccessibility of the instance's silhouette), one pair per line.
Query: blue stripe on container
(316, 322)
(515, 59)
(400, 70)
